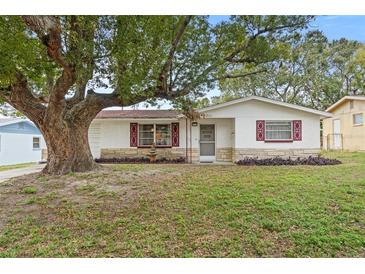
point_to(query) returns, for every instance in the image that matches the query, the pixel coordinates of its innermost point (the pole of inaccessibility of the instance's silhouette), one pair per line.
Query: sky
(335, 27)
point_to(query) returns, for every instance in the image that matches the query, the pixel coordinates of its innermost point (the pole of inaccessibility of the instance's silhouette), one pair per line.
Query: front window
(160, 134)
(146, 135)
(163, 135)
(36, 143)
(357, 119)
(278, 130)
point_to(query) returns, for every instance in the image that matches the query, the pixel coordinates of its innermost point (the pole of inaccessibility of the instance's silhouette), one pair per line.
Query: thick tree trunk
(68, 149)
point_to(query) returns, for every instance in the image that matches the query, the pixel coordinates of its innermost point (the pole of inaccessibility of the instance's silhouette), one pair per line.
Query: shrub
(315, 161)
(139, 160)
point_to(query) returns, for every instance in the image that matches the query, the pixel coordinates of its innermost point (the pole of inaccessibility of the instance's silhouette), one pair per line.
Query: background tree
(310, 71)
(61, 71)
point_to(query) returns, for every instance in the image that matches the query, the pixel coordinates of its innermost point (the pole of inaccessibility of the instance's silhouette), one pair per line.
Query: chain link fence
(334, 141)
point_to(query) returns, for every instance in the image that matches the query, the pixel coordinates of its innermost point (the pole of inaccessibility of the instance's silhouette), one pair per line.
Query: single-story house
(345, 129)
(227, 132)
(20, 142)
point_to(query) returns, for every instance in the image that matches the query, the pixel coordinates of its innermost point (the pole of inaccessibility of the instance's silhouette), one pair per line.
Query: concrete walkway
(8, 174)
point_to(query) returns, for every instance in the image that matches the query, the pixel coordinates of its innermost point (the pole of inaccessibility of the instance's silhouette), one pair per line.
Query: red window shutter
(260, 130)
(297, 130)
(133, 137)
(175, 134)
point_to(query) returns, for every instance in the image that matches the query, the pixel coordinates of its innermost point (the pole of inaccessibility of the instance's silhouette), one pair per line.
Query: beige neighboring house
(345, 130)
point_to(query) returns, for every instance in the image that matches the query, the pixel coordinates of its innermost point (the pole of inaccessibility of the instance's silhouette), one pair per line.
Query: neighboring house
(20, 142)
(247, 127)
(345, 129)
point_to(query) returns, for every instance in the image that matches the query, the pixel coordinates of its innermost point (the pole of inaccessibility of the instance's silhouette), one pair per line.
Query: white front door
(337, 134)
(207, 143)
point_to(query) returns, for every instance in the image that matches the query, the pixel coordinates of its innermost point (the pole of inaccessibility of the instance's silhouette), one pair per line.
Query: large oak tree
(60, 71)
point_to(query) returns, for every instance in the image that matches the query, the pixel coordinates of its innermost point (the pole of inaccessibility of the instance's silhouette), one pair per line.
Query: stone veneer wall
(241, 153)
(195, 154)
(169, 153)
(224, 154)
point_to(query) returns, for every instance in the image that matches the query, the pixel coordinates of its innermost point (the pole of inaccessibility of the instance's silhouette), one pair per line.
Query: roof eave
(344, 99)
(15, 122)
(138, 118)
(262, 99)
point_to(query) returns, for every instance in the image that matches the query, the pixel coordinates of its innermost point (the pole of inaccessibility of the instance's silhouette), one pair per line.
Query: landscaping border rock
(277, 161)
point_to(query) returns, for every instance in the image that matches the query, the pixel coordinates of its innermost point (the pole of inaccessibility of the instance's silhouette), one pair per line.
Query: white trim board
(323, 114)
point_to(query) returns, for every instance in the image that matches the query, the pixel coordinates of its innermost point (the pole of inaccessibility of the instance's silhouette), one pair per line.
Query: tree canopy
(311, 71)
(60, 71)
(137, 57)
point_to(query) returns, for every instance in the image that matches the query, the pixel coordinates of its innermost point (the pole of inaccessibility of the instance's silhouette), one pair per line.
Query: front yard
(188, 211)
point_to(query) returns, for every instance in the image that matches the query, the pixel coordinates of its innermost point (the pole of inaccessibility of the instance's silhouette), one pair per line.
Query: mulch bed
(314, 161)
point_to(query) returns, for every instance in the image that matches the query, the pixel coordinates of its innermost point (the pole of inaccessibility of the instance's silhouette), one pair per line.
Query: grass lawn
(8, 167)
(188, 211)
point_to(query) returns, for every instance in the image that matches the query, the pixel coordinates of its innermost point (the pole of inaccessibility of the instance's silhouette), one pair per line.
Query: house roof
(9, 121)
(172, 114)
(138, 114)
(266, 100)
(344, 99)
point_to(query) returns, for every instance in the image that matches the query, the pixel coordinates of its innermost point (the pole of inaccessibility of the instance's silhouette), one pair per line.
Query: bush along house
(227, 132)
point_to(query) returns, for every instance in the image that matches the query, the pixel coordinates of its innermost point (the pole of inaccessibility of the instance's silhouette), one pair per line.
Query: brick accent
(241, 153)
(224, 154)
(170, 153)
(195, 154)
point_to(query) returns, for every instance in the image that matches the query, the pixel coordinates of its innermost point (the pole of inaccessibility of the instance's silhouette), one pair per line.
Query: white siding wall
(247, 113)
(95, 138)
(18, 148)
(224, 129)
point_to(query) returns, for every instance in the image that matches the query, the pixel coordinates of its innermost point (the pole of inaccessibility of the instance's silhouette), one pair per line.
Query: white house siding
(95, 138)
(18, 148)
(245, 115)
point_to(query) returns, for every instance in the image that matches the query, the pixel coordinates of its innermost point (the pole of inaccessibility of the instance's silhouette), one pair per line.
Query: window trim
(353, 119)
(154, 135)
(39, 143)
(291, 140)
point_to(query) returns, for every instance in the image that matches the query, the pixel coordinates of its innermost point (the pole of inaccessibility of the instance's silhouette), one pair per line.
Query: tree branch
(86, 56)
(242, 75)
(166, 67)
(94, 102)
(20, 97)
(230, 58)
(48, 29)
